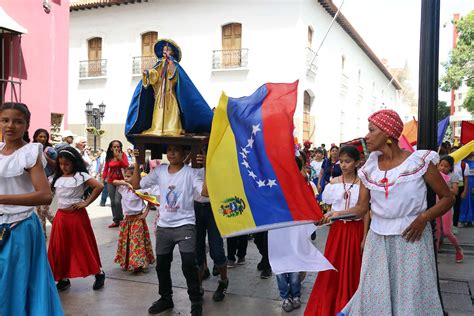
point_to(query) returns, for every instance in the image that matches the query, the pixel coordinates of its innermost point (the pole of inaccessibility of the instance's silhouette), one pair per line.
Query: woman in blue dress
(26, 282)
(329, 170)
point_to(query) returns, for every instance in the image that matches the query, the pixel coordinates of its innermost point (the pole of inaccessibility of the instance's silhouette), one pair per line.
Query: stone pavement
(129, 294)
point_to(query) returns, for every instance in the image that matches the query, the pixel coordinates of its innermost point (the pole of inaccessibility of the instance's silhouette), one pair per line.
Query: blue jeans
(205, 223)
(104, 194)
(289, 285)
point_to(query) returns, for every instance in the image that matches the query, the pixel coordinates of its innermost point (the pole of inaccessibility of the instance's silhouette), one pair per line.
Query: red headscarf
(389, 122)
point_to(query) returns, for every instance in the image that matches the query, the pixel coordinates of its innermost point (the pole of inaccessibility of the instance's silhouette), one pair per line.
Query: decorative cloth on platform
(26, 283)
(397, 278)
(467, 205)
(73, 249)
(134, 245)
(389, 122)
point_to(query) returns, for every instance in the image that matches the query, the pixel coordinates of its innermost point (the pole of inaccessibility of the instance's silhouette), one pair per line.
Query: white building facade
(235, 47)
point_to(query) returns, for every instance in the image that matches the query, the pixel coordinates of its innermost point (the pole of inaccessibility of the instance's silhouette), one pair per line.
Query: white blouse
(396, 202)
(131, 203)
(70, 190)
(15, 179)
(334, 195)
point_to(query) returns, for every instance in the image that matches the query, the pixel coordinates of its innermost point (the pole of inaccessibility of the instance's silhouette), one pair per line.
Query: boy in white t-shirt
(176, 224)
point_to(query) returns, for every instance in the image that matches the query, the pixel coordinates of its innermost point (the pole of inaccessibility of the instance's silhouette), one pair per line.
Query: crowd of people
(382, 251)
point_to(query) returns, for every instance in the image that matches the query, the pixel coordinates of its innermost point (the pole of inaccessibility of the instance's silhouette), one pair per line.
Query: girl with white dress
(26, 283)
(73, 249)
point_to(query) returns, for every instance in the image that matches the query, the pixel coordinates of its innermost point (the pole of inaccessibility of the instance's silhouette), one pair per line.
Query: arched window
(148, 41)
(231, 44)
(306, 115)
(94, 52)
(310, 36)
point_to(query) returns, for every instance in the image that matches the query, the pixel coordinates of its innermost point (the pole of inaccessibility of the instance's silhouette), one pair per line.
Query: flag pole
(428, 92)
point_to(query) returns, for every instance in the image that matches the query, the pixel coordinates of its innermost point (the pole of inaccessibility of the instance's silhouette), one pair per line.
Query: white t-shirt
(131, 203)
(15, 179)
(177, 194)
(198, 197)
(468, 172)
(70, 190)
(394, 210)
(316, 165)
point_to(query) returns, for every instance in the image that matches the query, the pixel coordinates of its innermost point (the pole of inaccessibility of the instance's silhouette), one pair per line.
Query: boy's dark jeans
(166, 239)
(205, 223)
(261, 241)
(237, 245)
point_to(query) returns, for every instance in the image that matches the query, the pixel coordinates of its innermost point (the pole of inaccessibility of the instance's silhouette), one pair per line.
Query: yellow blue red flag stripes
(253, 181)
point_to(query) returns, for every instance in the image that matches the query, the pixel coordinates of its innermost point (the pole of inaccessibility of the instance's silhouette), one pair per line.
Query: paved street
(129, 294)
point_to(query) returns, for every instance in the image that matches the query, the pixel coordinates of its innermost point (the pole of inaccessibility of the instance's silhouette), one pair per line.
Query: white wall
(275, 32)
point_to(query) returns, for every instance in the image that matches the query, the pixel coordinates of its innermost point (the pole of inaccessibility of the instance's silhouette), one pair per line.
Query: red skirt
(134, 245)
(333, 289)
(72, 249)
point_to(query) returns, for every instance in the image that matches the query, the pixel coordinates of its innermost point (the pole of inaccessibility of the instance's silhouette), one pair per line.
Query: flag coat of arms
(253, 180)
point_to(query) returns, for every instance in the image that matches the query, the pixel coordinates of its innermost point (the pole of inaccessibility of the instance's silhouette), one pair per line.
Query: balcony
(93, 68)
(311, 62)
(141, 63)
(230, 59)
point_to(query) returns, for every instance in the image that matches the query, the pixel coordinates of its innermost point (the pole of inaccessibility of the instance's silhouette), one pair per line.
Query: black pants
(190, 271)
(457, 207)
(261, 241)
(237, 245)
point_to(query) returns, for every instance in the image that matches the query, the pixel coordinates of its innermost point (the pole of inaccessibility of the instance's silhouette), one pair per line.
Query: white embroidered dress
(15, 179)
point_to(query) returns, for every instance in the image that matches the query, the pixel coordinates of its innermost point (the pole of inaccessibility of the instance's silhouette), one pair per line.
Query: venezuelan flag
(253, 181)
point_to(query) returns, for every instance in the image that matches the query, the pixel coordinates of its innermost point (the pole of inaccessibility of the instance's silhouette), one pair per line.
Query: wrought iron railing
(230, 58)
(311, 62)
(141, 63)
(93, 68)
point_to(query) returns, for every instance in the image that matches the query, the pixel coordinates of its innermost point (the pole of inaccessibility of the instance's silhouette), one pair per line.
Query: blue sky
(392, 28)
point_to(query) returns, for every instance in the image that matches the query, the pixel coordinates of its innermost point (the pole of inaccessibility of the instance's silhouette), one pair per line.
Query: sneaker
(163, 304)
(99, 281)
(266, 274)
(459, 256)
(260, 266)
(113, 225)
(286, 305)
(196, 310)
(215, 271)
(206, 274)
(219, 294)
(455, 230)
(230, 264)
(63, 285)
(241, 261)
(296, 302)
(102, 204)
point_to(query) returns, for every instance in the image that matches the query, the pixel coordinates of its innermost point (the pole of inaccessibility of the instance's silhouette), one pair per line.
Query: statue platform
(155, 145)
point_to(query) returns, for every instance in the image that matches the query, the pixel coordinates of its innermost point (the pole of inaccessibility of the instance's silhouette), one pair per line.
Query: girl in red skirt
(134, 251)
(334, 288)
(73, 249)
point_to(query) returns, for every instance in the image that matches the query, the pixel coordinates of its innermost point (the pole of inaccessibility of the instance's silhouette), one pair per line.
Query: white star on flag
(250, 142)
(255, 129)
(246, 164)
(244, 155)
(253, 175)
(271, 183)
(261, 183)
(245, 150)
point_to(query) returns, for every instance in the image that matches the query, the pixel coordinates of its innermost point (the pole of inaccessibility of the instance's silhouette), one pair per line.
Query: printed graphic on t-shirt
(172, 199)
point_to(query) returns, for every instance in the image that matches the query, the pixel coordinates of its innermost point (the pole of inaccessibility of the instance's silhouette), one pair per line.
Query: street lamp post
(94, 119)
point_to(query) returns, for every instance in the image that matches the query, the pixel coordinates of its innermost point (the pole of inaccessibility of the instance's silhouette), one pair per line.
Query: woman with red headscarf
(398, 274)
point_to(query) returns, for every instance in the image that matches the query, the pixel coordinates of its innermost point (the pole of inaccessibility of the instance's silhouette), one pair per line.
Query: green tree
(460, 66)
(443, 110)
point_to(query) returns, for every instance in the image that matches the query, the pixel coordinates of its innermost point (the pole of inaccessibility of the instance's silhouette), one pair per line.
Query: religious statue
(166, 102)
